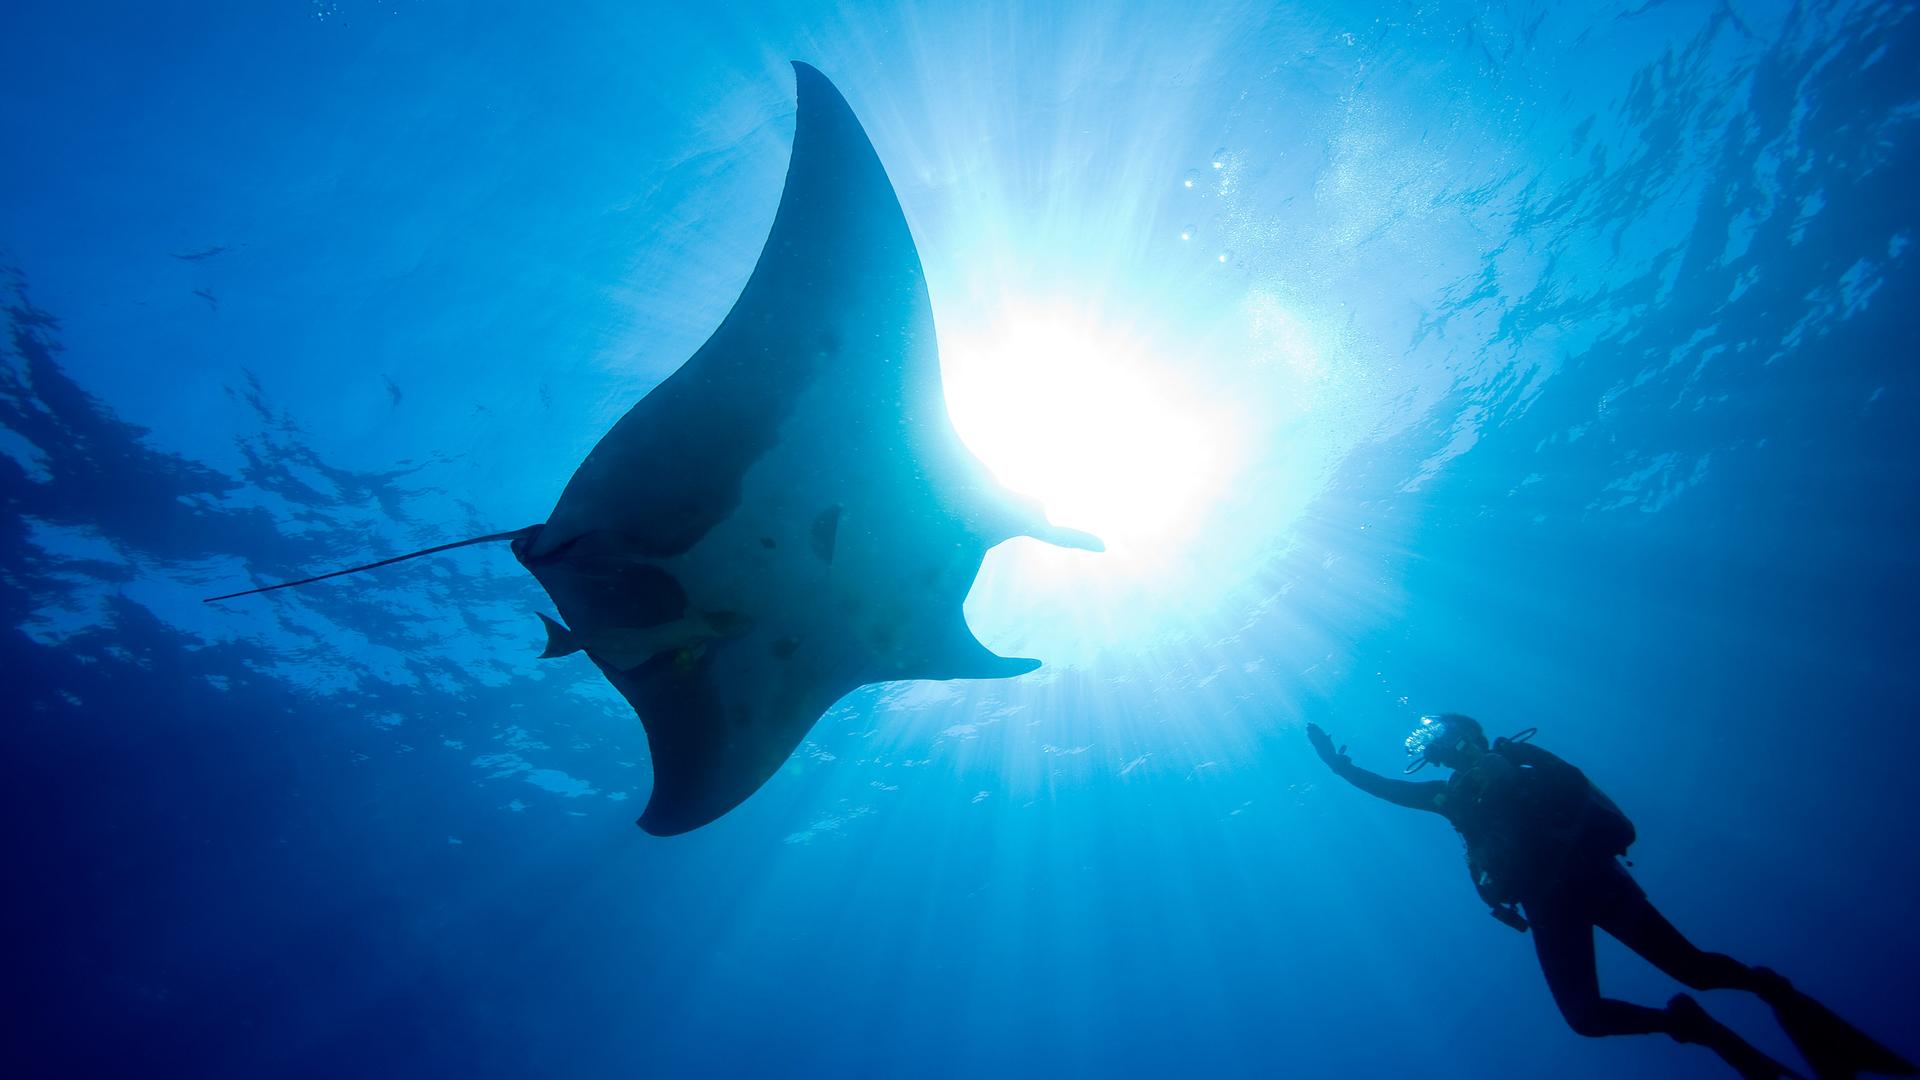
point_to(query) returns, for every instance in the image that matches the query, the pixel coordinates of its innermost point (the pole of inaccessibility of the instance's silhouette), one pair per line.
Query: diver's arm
(1410, 794)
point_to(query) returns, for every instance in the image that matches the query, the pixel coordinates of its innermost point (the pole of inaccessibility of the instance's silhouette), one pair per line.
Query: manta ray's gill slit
(1096, 426)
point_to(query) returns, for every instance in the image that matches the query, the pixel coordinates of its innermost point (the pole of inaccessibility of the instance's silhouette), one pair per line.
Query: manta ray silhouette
(790, 515)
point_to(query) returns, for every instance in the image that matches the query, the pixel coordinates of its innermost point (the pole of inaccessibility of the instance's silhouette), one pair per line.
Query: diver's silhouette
(1544, 847)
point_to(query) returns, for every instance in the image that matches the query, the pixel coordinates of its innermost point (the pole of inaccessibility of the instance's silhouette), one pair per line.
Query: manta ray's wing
(838, 273)
(792, 507)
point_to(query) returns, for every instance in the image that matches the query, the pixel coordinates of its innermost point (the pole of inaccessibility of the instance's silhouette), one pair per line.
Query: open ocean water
(1553, 363)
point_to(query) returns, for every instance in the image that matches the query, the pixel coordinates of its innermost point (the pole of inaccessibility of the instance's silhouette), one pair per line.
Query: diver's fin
(1693, 1024)
(487, 539)
(1833, 1047)
(560, 640)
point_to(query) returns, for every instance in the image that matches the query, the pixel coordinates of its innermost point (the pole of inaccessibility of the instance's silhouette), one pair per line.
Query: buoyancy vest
(1527, 817)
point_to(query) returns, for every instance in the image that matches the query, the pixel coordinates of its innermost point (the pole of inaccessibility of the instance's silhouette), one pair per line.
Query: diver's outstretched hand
(1323, 745)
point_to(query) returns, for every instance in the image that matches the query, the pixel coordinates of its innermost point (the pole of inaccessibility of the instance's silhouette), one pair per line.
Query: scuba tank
(1526, 816)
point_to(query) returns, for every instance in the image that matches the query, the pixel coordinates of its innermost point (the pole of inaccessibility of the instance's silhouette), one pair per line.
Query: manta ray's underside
(790, 515)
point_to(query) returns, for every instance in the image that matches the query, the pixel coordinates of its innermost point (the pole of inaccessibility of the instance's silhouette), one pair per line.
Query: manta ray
(790, 515)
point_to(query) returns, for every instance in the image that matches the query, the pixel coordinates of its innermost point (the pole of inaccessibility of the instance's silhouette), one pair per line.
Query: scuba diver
(1544, 848)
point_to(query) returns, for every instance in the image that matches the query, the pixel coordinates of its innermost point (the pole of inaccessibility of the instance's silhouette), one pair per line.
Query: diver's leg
(1564, 943)
(1836, 1049)
(1691, 1024)
(1639, 926)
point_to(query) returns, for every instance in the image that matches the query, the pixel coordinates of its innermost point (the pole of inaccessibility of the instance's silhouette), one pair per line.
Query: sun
(1096, 426)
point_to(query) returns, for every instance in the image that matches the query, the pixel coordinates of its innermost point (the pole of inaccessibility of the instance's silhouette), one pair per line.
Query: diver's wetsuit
(1604, 895)
(1550, 843)
(1590, 890)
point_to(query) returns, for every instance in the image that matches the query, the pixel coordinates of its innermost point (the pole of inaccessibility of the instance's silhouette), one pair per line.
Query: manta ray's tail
(487, 539)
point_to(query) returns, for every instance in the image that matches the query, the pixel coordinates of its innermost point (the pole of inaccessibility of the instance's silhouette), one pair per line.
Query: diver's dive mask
(1443, 735)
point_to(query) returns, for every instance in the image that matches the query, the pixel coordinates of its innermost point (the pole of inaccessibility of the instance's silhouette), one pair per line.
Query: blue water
(1555, 366)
